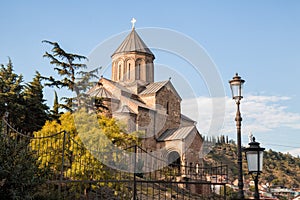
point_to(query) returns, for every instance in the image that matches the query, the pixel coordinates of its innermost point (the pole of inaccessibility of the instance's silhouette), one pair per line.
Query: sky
(258, 39)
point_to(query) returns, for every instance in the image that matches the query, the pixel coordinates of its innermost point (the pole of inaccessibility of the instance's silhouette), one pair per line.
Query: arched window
(119, 72)
(128, 71)
(115, 70)
(174, 160)
(138, 71)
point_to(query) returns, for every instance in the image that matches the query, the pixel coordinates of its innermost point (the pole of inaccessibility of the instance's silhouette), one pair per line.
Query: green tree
(73, 77)
(20, 177)
(11, 99)
(54, 112)
(222, 139)
(23, 102)
(36, 108)
(279, 169)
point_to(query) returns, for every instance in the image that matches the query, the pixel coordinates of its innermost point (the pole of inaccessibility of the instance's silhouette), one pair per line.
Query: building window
(167, 108)
(119, 72)
(138, 71)
(128, 71)
(174, 160)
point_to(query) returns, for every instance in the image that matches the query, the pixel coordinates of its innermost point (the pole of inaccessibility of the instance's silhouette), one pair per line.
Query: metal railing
(77, 174)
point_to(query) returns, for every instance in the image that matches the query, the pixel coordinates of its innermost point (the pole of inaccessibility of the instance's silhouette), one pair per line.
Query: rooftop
(133, 43)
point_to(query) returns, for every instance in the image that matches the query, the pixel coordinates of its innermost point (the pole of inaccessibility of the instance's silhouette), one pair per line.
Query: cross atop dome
(133, 20)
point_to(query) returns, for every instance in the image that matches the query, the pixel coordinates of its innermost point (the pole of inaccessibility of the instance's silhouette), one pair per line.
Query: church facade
(152, 108)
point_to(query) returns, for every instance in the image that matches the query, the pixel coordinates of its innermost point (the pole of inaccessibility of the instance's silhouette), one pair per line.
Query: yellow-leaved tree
(80, 145)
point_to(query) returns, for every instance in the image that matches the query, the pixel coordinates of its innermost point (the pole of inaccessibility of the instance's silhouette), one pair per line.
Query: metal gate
(74, 173)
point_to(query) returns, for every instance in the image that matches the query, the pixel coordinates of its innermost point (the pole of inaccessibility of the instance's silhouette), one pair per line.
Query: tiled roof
(125, 109)
(121, 87)
(100, 91)
(138, 103)
(176, 134)
(133, 43)
(186, 118)
(152, 88)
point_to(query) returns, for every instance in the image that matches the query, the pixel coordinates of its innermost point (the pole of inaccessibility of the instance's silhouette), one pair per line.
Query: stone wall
(168, 110)
(193, 146)
(128, 119)
(146, 121)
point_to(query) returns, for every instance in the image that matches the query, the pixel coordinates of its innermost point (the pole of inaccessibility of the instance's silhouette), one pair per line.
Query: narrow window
(167, 108)
(119, 72)
(128, 71)
(138, 71)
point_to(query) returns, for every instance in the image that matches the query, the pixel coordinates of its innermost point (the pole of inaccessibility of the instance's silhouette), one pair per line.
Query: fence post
(62, 163)
(134, 172)
(225, 192)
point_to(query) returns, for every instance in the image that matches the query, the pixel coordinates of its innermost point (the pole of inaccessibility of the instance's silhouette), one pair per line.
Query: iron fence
(76, 172)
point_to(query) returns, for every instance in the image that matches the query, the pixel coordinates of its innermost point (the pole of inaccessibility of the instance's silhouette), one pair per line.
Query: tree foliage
(23, 102)
(11, 100)
(280, 169)
(36, 108)
(54, 112)
(79, 160)
(20, 177)
(72, 76)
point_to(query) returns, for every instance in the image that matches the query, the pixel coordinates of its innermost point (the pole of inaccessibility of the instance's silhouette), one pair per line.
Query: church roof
(133, 43)
(100, 91)
(116, 84)
(152, 88)
(125, 109)
(138, 103)
(126, 94)
(184, 117)
(176, 134)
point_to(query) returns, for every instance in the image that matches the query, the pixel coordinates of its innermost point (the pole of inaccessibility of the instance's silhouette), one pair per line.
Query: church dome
(133, 43)
(133, 60)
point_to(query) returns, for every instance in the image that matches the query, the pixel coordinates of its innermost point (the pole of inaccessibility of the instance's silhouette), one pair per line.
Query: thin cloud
(266, 113)
(260, 113)
(294, 152)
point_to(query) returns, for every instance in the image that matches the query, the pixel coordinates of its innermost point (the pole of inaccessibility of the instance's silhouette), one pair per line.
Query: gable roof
(99, 91)
(125, 109)
(137, 103)
(152, 88)
(176, 134)
(116, 84)
(133, 43)
(186, 118)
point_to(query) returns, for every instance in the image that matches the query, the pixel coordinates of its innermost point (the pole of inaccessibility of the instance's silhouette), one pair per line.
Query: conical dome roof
(133, 43)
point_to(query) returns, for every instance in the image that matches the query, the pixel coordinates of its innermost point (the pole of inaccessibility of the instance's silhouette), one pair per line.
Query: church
(152, 108)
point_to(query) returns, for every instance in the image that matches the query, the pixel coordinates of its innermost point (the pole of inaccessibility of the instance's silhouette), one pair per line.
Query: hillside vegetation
(280, 169)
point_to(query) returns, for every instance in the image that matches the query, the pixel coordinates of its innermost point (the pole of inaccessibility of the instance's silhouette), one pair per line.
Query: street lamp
(236, 88)
(254, 156)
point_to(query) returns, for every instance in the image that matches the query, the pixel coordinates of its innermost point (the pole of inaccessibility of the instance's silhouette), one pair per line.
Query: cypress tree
(54, 112)
(36, 108)
(11, 99)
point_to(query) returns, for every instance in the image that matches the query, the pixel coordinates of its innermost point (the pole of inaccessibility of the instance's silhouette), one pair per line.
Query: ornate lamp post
(254, 156)
(236, 88)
